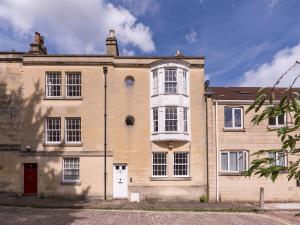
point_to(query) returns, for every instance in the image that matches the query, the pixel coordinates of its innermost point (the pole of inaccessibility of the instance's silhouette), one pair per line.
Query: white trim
(188, 164)
(245, 157)
(66, 85)
(166, 153)
(63, 169)
(46, 129)
(276, 122)
(233, 118)
(65, 131)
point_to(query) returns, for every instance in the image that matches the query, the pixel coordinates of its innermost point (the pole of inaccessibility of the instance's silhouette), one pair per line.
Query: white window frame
(276, 122)
(165, 125)
(246, 158)
(276, 162)
(185, 120)
(155, 82)
(183, 164)
(49, 85)
(63, 169)
(46, 131)
(171, 82)
(233, 118)
(74, 85)
(157, 164)
(76, 130)
(184, 82)
(155, 121)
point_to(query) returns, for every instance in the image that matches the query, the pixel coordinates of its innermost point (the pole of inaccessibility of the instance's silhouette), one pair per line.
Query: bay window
(171, 118)
(170, 81)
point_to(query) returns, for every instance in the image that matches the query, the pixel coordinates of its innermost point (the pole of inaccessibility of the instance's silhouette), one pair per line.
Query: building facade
(126, 127)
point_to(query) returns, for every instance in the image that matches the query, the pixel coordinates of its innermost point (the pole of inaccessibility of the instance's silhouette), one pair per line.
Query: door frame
(120, 164)
(23, 175)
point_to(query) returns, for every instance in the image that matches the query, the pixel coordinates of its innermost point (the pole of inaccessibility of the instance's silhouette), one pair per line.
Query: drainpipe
(217, 150)
(206, 128)
(105, 127)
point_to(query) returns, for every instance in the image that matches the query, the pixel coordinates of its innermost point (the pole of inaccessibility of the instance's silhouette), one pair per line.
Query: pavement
(282, 206)
(149, 204)
(32, 216)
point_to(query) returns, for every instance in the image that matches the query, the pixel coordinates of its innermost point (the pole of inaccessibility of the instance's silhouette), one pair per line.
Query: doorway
(30, 178)
(120, 183)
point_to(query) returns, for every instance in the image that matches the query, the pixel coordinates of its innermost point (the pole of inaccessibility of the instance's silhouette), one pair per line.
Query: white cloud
(191, 37)
(268, 73)
(272, 3)
(127, 52)
(74, 25)
(139, 7)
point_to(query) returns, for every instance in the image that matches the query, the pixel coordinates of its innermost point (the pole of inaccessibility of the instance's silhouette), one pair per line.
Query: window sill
(230, 174)
(62, 144)
(62, 98)
(274, 126)
(234, 129)
(170, 179)
(155, 95)
(74, 183)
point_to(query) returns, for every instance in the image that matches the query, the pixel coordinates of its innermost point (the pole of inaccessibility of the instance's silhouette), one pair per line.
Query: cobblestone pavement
(24, 216)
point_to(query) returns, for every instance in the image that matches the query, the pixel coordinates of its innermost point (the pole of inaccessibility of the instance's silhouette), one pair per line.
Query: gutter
(105, 128)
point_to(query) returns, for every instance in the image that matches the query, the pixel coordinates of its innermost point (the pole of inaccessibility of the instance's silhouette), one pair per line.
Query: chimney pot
(37, 38)
(112, 33)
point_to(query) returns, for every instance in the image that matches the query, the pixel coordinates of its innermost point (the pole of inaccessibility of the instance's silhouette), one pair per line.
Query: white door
(120, 181)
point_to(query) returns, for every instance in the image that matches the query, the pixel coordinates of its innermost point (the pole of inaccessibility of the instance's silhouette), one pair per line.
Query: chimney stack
(179, 53)
(37, 47)
(112, 44)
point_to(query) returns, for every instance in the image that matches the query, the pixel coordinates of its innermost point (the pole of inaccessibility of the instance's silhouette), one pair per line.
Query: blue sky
(245, 42)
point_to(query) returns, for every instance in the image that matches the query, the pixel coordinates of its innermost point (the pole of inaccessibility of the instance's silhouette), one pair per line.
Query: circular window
(129, 121)
(129, 81)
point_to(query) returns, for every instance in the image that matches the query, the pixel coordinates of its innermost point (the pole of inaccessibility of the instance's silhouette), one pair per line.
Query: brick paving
(25, 215)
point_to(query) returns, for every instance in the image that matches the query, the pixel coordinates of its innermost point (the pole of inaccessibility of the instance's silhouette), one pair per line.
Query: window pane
(155, 119)
(280, 159)
(73, 130)
(159, 164)
(171, 119)
(181, 164)
(238, 117)
(281, 119)
(71, 169)
(272, 121)
(228, 117)
(73, 84)
(224, 161)
(273, 156)
(233, 161)
(170, 81)
(53, 84)
(242, 164)
(185, 120)
(155, 82)
(53, 130)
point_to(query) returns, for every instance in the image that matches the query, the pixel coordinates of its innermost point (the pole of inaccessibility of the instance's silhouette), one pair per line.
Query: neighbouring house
(131, 127)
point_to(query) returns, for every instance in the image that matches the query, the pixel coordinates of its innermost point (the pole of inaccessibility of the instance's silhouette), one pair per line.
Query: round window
(129, 121)
(129, 81)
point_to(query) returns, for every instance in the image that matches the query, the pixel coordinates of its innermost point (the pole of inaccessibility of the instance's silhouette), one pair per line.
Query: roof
(243, 93)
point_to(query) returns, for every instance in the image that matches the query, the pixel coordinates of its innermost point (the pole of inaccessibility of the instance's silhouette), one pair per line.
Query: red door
(30, 178)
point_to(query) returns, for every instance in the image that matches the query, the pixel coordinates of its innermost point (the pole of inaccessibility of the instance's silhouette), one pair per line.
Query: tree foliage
(266, 106)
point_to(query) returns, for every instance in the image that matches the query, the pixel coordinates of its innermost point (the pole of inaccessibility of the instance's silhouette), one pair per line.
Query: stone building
(126, 127)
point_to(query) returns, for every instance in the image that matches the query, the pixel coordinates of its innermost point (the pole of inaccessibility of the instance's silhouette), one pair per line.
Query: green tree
(266, 106)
